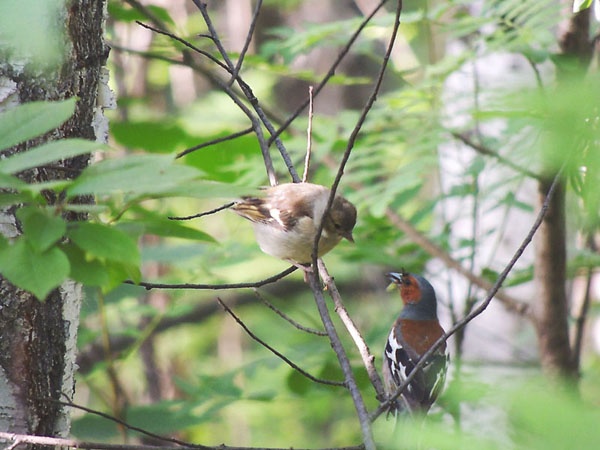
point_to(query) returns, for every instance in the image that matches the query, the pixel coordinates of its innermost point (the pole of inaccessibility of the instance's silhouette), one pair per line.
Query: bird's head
(417, 295)
(341, 218)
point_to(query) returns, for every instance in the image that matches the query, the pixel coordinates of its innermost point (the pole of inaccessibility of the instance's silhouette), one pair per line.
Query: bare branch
(128, 426)
(229, 137)
(313, 277)
(229, 68)
(482, 149)
(247, 91)
(329, 74)
(338, 348)
(287, 318)
(249, 35)
(308, 135)
(205, 213)
(19, 439)
(482, 306)
(276, 353)
(215, 287)
(436, 251)
(363, 348)
(184, 42)
(361, 120)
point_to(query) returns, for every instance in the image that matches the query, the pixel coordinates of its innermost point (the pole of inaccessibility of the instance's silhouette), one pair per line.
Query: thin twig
(276, 353)
(436, 251)
(287, 318)
(583, 310)
(309, 135)
(184, 42)
(144, 10)
(249, 35)
(330, 73)
(229, 68)
(338, 348)
(229, 137)
(361, 120)
(363, 348)
(205, 213)
(482, 306)
(19, 439)
(313, 277)
(482, 149)
(247, 91)
(215, 287)
(127, 425)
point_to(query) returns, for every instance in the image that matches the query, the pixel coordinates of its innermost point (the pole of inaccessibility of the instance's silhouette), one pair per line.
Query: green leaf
(225, 161)
(138, 175)
(47, 153)
(103, 241)
(88, 271)
(41, 228)
(298, 383)
(10, 182)
(34, 271)
(119, 272)
(158, 136)
(13, 198)
(580, 5)
(32, 119)
(128, 14)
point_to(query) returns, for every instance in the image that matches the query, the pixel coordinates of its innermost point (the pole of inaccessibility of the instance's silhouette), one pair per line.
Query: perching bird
(287, 217)
(414, 332)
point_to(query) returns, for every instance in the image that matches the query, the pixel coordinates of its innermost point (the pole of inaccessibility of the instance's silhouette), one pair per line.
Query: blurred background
(446, 171)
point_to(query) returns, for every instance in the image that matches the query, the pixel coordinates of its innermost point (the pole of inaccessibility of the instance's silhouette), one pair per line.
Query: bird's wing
(401, 358)
(256, 209)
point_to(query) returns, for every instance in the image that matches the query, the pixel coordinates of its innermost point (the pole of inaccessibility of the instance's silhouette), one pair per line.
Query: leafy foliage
(100, 253)
(410, 159)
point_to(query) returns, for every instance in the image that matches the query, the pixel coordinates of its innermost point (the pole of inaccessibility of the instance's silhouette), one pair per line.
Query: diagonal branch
(224, 86)
(247, 91)
(482, 149)
(184, 42)
(277, 353)
(361, 120)
(313, 277)
(229, 137)
(338, 348)
(205, 213)
(436, 251)
(363, 348)
(240, 61)
(287, 318)
(343, 52)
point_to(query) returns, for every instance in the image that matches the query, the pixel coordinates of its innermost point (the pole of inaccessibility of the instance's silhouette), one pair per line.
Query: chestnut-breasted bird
(287, 217)
(414, 332)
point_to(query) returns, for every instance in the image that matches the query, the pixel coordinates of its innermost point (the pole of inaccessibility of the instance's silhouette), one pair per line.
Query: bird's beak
(349, 236)
(394, 277)
(395, 280)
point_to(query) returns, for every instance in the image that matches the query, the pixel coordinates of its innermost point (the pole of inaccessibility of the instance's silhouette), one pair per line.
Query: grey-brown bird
(287, 216)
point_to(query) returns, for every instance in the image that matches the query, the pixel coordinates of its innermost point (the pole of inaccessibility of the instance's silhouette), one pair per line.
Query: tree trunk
(38, 338)
(551, 306)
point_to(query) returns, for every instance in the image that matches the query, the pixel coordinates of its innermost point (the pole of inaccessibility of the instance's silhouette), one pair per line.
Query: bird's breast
(420, 335)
